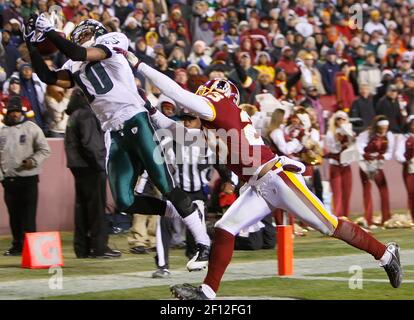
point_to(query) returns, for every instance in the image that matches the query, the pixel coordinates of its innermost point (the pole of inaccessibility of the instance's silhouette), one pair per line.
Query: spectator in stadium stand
(14, 89)
(122, 10)
(404, 154)
(161, 64)
(181, 78)
(28, 7)
(311, 75)
(130, 28)
(262, 64)
(405, 66)
(344, 90)
(375, 146)
(284, 85)
(363, 109)
(56, 101)
(338, 138)
(287, 62)
(9, 60)
(144, 52)
(389, 106)
(243, 74)
(12, 11)
(34, 90)
(312, 100)
(199, 55)
(375, 23)
(408, 93)
(177, 59)
(200, 29)
(263, 85)
(168, 107)
(387, 78)
(328, 72)
(370, 73)
(85, 153)
(279, 42)
(23, 149)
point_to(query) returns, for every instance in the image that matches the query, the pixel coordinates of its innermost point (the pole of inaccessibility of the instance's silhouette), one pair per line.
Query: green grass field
(311, 246)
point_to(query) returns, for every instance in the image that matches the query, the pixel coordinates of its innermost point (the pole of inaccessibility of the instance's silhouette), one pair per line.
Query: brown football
(46, 47)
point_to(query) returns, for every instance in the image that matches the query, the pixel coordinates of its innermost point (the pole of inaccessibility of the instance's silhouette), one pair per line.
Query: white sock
(197, 229)
(208, 291)
(386, 258)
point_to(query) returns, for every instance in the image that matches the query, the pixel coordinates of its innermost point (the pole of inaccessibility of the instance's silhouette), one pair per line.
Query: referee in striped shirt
(192, 172)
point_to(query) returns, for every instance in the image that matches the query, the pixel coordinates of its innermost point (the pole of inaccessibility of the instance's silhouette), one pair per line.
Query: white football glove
(44, 24)
(132, 58)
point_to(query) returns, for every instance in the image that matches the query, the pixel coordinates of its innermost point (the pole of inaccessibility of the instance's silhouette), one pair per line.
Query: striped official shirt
(192, 168)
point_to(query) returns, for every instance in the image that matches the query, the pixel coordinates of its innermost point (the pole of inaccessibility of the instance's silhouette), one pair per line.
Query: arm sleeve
(39, 65)
(400, 150)
(390, 149)
(362, 142)
(286, 147)
(333, 145)
(68, 48)
(171, 89)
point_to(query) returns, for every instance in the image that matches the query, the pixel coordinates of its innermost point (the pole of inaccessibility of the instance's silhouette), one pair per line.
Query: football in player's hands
(132, 58)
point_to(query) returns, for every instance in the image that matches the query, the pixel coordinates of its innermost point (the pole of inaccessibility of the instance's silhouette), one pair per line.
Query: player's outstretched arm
(170, 88)
(61, 78)
(68, 48)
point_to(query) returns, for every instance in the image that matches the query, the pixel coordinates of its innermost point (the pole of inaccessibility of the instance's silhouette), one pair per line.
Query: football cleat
(187, 291)
(393, 267)
(200, 260)
(161, 273)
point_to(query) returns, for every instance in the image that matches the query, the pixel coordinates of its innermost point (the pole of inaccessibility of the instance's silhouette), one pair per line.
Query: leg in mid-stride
(288, 191)
(129, 155)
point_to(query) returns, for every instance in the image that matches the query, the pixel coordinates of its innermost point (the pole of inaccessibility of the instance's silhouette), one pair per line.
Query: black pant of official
(91, 227)
(20, 195)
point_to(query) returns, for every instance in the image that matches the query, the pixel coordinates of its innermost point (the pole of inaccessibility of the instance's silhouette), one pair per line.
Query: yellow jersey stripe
(309, 196)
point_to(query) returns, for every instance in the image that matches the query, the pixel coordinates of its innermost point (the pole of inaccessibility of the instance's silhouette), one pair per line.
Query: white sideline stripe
(342, 279)
(74, 285)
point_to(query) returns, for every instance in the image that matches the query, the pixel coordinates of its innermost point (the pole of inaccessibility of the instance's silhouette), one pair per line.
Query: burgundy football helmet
(222, 86)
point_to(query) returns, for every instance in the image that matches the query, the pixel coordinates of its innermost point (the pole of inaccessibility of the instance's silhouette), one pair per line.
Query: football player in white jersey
(108, 82)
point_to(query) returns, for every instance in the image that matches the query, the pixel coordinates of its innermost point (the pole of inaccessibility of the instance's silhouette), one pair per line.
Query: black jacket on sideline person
(84, 140)
(362, 108)
(391, 109)
(85, 153)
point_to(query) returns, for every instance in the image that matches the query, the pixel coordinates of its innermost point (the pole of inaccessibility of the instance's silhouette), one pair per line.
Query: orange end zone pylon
(285, 250)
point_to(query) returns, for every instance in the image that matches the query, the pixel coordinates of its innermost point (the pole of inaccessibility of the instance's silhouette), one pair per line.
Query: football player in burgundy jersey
(271, 181)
